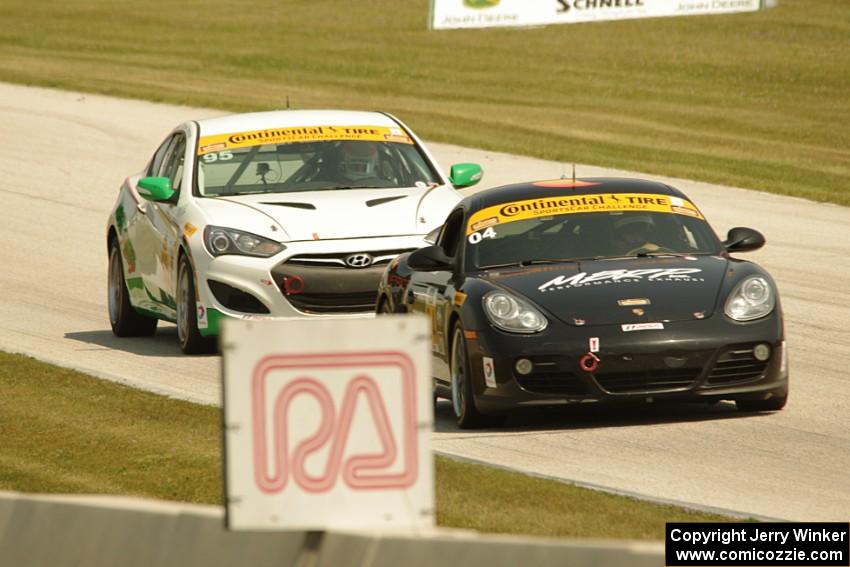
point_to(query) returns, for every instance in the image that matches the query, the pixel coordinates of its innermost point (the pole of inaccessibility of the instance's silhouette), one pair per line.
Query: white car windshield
(312, 166)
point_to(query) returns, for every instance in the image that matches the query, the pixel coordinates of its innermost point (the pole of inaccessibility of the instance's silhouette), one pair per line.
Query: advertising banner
(328, 424)
(446, 14)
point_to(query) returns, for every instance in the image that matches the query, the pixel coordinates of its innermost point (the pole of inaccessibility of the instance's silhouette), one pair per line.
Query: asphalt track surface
(63, 156)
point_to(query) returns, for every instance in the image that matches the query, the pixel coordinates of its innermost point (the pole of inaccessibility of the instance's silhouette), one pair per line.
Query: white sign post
(328, 424)
(447, 14)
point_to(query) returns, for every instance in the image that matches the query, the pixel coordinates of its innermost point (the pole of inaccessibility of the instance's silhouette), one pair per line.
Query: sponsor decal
(489, 372)
(301, 134)
(202, 317)
(571, 204)
(642, 327)
(635, 301)
(637, 311)
(565, 6)
(594, 344)
(608, 277)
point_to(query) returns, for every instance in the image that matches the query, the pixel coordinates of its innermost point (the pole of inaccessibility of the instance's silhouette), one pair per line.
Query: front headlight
(220, 241)
(513, 314)
(751, 299)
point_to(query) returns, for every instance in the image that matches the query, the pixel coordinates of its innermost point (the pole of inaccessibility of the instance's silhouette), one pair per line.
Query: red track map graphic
(273, 469)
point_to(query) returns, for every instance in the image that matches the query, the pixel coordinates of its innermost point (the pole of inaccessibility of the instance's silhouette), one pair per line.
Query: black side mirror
(743, 239)
(429, 259)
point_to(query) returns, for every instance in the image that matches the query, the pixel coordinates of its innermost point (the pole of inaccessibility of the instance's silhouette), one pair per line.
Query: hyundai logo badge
(359, 260)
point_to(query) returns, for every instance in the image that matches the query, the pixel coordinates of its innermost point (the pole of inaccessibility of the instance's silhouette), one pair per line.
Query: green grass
(66, 432)
(758, 100)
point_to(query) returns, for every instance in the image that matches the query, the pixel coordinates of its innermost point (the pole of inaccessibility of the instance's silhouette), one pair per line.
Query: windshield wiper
(335, 187)
(524, 263)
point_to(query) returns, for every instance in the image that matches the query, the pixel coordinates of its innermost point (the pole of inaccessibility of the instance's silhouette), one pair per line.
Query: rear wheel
(125, 320)
(463, 398)
(770, 404)
(191, 340)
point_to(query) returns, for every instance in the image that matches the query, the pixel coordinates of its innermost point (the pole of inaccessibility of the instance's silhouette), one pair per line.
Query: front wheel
(124, 319)
(463, 398)
(191, 340)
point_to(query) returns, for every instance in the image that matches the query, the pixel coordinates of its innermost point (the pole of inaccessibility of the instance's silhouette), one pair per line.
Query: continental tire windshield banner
(446, 14)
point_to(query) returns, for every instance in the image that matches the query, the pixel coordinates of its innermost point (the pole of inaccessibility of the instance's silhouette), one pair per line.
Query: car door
(158, 232)
(433, 294)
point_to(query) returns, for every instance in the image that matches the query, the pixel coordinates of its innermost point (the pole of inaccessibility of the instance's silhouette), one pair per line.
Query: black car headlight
(220, 241)
(753, 298)
(512, 314)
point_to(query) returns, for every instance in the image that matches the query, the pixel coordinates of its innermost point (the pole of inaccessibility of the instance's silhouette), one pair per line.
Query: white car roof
(291, 118)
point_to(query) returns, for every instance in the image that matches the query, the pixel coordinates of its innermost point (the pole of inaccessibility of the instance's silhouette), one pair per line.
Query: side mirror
(465, 174)
(155, 188)
(742, 239)
(429, 259)
(431, 237)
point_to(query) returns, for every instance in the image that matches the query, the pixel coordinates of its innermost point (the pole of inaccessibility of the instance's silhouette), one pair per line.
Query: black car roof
(528, 190)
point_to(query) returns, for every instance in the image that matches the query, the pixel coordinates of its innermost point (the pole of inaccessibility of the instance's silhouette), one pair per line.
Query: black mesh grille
(738, 365)
(236, 299)
(647, 380)
(550, 376)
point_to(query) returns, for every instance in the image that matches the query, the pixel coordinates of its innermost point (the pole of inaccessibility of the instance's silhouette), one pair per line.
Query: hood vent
(382, 200)
(308, 206)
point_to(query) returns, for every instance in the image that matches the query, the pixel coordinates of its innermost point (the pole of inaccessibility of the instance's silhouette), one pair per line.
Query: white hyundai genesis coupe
(270, 214)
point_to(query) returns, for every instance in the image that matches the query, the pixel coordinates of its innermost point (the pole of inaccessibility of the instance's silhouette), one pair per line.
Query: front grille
(236, 299)
(737, 365)
(647, 380)
(337, 260)
(334, 302)
(550, 376)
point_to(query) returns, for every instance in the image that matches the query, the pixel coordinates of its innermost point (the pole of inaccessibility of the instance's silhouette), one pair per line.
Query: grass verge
(66, 432)
(757, 100)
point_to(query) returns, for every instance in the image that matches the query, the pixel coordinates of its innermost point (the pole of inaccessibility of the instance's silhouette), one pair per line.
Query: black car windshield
(505, 235)
(312, 166)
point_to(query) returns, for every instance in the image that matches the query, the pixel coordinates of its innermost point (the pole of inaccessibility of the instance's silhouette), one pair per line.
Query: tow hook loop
(293, 285)
(589, 362)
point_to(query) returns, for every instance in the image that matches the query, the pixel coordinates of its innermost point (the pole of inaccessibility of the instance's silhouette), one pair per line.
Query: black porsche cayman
(591, 290)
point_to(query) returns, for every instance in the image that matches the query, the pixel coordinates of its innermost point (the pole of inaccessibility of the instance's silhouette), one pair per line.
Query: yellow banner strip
(235, 140)
(570, 204)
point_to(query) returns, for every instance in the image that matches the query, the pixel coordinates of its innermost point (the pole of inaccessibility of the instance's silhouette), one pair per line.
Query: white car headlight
(751, 299)
(513, 314)
(220, 241)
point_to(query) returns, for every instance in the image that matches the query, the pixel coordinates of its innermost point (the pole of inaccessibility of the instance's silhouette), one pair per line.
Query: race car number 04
(477, 237)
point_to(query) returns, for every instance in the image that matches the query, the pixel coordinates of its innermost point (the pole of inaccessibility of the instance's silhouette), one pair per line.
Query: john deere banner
(489, 13)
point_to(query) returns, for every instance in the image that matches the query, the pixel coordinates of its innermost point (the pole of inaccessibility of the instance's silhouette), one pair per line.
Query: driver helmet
(359, 160)
(634, 229)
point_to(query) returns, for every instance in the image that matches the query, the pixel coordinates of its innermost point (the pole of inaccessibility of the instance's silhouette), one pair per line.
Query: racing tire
(770, 404)
(463, 397)
(123, 317)
(191, 340)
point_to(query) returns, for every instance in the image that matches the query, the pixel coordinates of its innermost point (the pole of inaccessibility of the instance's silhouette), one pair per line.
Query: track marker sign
(328, 424)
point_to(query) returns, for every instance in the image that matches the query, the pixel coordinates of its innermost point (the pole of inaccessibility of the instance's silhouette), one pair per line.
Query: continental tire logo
(567, 5)
(481, 3)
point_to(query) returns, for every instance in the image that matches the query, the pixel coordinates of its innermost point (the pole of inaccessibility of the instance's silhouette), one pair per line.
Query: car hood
(634, 290)
(321, 215)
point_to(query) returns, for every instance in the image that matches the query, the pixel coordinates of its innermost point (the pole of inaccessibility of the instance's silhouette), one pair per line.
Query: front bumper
(710, 359)
(282, 287)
